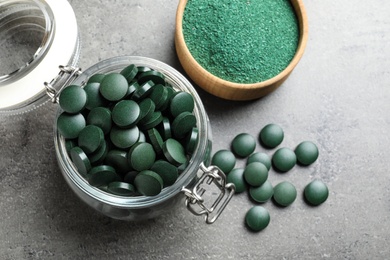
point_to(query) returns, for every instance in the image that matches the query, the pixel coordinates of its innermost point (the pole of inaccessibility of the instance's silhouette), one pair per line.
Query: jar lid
(36, 36)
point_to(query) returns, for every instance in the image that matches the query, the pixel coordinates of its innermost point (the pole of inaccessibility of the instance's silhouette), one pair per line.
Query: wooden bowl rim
(303, 38)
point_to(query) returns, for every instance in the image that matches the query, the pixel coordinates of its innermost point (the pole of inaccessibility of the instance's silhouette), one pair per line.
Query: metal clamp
(211, 175)
(64, 77)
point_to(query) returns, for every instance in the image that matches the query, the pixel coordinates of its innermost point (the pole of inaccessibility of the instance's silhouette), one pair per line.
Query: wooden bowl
(231, 90)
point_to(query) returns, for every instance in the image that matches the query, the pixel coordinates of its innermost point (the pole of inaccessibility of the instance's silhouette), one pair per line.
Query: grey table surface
(338, 97)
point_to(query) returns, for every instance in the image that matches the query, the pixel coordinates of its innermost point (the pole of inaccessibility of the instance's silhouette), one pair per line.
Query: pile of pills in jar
(128, 133)
(254, 176)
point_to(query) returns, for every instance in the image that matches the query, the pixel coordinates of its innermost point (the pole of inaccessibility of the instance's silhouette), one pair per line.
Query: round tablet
(224, 160)
(98, 156)
(143, 91)
(126, 113)
(124, 138)
(271, 135)
(147, 108)
(73, 99)
(316, 192)
(181, 102)
(148, 183)
(183, 124)
(255, 174)
(257, 218)
(306, 152)
(70, 125)
(260, 157)
(243, 145)
(94, 99)
(285, 193)
(284, 159)
(236, 176)
(159, 95)
(168, 172)
(174, 152)
(98, 77)
(165, 128)
(118, 160)
(262, 193)
(102, 175)
(121, 188)
(90, 138)
(114, 87)
(154, 120)
(141, 156)
(80, 160)
(191, 140)
(155, 139)
(101, 117)
(152, 75)
(129, 72)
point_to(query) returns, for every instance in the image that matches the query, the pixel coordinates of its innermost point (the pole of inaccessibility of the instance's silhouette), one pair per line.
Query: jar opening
(26, 32)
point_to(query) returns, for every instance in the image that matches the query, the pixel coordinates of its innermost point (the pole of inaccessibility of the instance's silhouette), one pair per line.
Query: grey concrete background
(338, 97)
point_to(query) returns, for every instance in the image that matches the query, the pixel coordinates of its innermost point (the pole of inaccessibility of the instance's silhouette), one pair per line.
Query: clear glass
(140, 207)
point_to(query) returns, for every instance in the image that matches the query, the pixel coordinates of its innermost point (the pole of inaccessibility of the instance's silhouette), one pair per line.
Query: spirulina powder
(243, 41)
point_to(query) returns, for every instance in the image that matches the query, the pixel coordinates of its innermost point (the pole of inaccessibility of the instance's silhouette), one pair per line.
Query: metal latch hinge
(212, 176)
(66, 75)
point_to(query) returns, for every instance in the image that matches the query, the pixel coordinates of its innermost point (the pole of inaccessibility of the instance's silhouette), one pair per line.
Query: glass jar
(194, 181)
(47, 30)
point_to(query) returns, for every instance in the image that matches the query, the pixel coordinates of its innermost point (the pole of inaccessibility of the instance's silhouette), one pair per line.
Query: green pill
(174, 152)
(96, 78)
(126, 113)
(236, 176)
(129, 72)
(98, 156)
(159, 96)
(191, 140)
(114, 87)
(80, 160)
(155, 119)
(284, 159)
(102, 175)
(167, 171)
(306, 152)
(90, 138)
(255, 174)
(262, 193)
(285, 193)
(148, 183)
(141, 156)
(101, 117)
(183, 124)
(143, 91)
(243, 145)
(156, 140)
(153, 76)
(181, 102)
(118, 160)
(94, 99)
(124, 138)
(73, 99)
(70, 125)
(165, 128)
(257, 218)
(271, 135)
(260, 157)
(224, 160)
(316, 192)
(121, 188)
(147, 108)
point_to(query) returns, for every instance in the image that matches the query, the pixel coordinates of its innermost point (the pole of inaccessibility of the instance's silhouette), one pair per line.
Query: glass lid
(36, 36)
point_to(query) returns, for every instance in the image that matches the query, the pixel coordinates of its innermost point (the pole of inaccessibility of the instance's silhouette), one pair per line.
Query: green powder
(243, 41)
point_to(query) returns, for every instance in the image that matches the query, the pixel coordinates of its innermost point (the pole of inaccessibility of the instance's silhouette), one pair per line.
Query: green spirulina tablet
(118, 160)
(154, 120)
(284, 159)
(159, 95)
(262, 193)
(114, 87)
(255, 174)
(174, 152)
(147, 108)
(101, 117)
(271, 135)
(129, 72)
(316, 192)
(73, 99)
(285, 193)
(143, 91)
(70, 125)
(96, 78)
(130, 176)
(191, 140)
(224, 160)
(152, 75)
(155, 139)
(236, 176)
(167, 171)
(124, 138)
(121, 188)
(165, 128)
(183, 124)
(142, 69)
(181, 102)
(126, 113)
(98, 156)
(306, 152)
(90, 138)
(257, 218)
(260, 157)
(94, 99)
(133, 86)
(141, 156)
(102, 175)
(80, 160)
(243, 145)
(148, 183)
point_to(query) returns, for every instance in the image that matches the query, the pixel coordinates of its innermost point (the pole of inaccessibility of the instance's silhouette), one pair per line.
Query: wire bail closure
(211, 175)
(65, 76)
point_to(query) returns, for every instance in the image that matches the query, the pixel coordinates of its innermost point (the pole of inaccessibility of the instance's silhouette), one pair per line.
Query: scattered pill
(236, 176)
(316, 192)
(257, 218)
(255, 174)
(262, 193)
(284, 159)
(271, 135)
(224, 160)
(306, 152)
(285, 193)
(243, 145)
